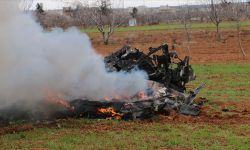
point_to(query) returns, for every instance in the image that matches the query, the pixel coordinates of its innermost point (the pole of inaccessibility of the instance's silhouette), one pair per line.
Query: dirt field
(204, 48)
(223, 124)
(228, 113)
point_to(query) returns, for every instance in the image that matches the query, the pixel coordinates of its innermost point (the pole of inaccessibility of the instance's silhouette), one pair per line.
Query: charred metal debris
(168, 76)
(167, 70)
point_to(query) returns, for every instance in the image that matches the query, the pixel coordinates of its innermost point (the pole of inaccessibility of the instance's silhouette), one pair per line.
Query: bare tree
(106, 18)
(216, 13)
(184, 16)
(238, 12)
(134, 12)
(39, 8)
(82, 16)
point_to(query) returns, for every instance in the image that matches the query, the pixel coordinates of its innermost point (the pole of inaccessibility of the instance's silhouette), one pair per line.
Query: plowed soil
(229, 113)
(204, 48)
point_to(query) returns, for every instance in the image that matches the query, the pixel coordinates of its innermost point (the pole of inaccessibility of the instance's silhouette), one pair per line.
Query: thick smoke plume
(33, 61)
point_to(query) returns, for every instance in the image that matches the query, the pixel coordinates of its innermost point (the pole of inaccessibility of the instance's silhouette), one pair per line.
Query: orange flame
(58, 99)
(111, 111)
(106, 98)
(115, 98)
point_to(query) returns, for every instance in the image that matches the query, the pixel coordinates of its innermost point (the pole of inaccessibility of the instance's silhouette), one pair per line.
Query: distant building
(166, 9)
(132, 22)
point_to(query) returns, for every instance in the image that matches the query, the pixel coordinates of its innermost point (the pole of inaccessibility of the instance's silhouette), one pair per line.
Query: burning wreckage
(168, 75)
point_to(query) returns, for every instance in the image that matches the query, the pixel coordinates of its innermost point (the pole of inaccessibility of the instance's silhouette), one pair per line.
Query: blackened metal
(166, 68)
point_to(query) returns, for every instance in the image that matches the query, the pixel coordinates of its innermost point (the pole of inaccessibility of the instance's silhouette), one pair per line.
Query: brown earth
(240, 114)
(203, 47)
(231, 113)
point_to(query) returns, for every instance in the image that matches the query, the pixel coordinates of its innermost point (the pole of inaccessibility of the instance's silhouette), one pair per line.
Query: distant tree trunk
(184, 15)
(106, 37)
(239, 11)
(216, 14)
(106, 34)
(188, 39)
(218, 35)
(187, 33)
(239, 40)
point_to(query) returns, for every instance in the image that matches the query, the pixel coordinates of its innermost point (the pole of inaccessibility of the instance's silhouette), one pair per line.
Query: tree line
(106, 18)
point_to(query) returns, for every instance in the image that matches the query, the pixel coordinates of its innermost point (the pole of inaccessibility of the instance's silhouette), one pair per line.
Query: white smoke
(33, 61)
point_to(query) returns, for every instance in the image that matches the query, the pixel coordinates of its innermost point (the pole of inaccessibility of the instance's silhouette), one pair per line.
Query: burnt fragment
(168, 76)
(160, 64)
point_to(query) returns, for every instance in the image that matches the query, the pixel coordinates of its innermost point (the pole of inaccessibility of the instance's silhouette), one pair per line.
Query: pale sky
(57, 4)
(157, 3)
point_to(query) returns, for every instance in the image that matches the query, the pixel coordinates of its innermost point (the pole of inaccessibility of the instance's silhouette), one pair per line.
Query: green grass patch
(173, 26)
(223, 82)
(137, 136)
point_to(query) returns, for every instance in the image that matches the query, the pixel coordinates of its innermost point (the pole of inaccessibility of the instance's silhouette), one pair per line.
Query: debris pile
(166, 68)
(168, 76)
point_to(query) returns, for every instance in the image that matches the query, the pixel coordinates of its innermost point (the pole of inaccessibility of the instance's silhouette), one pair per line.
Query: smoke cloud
(33, 61)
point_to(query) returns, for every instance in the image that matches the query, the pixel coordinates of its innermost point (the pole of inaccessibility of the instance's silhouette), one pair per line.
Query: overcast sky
(156, 3)
(57, 4)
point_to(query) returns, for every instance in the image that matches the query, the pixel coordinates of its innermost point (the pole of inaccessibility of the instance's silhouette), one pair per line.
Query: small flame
(58, 99)
(106, 98)
(141, 95)
(116, 98)
(111, 111)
